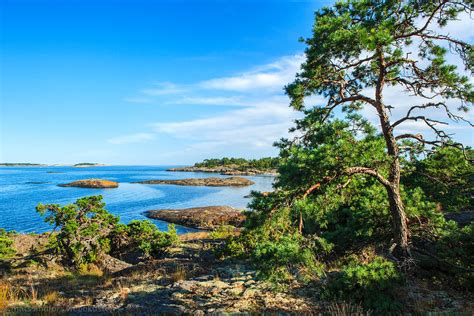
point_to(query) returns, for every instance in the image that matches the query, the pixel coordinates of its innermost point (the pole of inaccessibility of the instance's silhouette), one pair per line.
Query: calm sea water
(22, 188)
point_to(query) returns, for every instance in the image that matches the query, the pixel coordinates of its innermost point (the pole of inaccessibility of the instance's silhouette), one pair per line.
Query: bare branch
(427, 23)
(369, 171)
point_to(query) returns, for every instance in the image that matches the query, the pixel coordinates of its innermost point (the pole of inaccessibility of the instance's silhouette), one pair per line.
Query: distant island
(235, 166)
(19, 164)
(27, 164)
(88, 164)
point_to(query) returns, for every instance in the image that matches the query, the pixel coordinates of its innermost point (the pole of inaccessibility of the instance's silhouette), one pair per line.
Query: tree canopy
(361, 48)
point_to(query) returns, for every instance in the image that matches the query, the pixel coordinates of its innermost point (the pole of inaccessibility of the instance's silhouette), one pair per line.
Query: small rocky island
(210, 182)
(205, 218)
(92, 183)
(88, 165)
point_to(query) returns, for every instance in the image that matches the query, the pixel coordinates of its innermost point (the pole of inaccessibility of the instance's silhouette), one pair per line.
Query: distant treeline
(12, 164)
(262, 163)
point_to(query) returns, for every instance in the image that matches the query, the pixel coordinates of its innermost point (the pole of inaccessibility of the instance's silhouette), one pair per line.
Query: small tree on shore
(361, 47)
(84, 229)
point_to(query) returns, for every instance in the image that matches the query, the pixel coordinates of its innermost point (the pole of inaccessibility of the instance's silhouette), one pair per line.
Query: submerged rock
(208, 217)
(212, 182)
(91, 183)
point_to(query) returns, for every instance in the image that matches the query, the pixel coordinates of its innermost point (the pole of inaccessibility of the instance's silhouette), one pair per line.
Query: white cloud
(131, 139)
(256, 126)
(225, 101)
(138, 100)
(462, 28)
(273, 76)
(163, 88)
(268, 78)
(261, 120)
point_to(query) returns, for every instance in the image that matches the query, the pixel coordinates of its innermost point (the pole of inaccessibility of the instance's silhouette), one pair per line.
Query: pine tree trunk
(397, 209)
(399, 221)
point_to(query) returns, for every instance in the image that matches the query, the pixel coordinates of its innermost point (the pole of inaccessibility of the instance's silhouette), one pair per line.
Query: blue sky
(148, 82)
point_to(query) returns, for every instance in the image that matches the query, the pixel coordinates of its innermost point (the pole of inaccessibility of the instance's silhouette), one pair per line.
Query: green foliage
(87, 232)
(241, 163)
(290, 255)
(457, 245)
(373, 284)
(347, 37)
(222, 232)
(144, 235)
(83, 226)
(447, 178)
(6, 249)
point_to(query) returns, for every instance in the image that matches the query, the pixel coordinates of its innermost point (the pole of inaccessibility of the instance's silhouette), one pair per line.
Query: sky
(152, 82)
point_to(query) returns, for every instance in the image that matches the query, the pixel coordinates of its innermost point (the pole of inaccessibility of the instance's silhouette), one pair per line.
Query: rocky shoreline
(189, 279)
(211, 182)
(203, 218)
(228, 170)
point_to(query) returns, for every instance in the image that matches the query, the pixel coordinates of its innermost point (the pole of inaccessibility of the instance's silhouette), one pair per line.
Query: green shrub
(455, 247)
(222, 232)
(145, 236)
(6, 249)
(84, 227)
(373, 285)
(279, 260)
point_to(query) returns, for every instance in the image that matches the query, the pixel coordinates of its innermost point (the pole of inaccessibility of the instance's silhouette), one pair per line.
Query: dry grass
(179, 274)
(123, 292)
(10, 294)
(51, 298)
(4, 292)
(345, 309)
(193, 236)
(91, 270)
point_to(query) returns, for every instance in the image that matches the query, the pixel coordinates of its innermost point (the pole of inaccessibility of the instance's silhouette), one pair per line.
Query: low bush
(288, 256)
(87, 231)
(144, 235)
(6, 245)
(374, 285)
(222, 232)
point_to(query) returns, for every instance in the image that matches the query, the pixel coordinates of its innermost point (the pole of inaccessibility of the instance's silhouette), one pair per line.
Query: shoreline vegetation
(235, 166)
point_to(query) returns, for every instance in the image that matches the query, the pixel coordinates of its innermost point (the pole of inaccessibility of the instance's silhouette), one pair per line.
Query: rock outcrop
(91, 183)
(206, 218)
(211, 182)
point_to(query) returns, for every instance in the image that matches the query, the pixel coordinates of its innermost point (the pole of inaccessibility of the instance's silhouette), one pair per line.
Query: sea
(22, 188)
